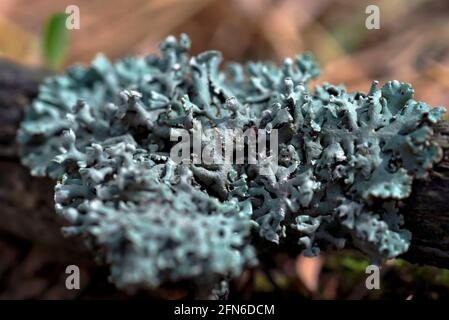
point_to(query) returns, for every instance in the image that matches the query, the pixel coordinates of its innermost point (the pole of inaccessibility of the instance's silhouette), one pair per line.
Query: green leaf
(55, 40)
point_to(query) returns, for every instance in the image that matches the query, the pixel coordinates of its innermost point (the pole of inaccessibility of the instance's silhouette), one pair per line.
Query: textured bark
(426, 211)
(26, 203)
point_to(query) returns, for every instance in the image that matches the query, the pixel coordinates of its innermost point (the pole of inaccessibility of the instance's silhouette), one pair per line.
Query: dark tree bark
(426, 211)
(26, 203)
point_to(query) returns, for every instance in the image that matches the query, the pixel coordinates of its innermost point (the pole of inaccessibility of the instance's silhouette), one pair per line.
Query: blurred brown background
(412, 45)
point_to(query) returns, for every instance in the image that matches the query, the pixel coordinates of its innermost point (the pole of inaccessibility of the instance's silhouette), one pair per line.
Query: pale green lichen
(345, 161)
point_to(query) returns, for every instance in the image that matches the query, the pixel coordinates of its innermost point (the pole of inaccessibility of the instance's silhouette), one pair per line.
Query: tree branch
(27, 202)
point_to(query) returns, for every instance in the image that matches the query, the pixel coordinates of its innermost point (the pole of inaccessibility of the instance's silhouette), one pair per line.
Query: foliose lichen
(346, 160)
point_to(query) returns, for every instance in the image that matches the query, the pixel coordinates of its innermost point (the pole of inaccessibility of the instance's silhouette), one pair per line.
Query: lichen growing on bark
(346, 160)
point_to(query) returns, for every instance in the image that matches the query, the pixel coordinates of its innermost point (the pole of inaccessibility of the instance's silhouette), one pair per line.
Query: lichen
(346, 160)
